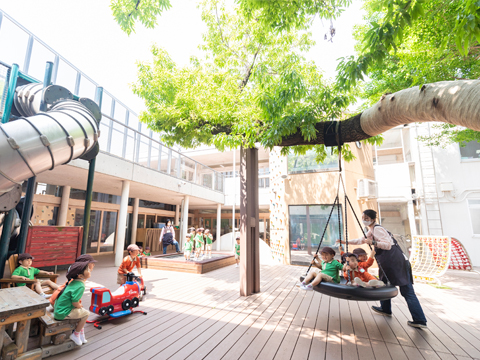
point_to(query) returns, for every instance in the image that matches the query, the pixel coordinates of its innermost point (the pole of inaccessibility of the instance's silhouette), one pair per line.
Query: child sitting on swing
(357, 275)
(328, 269)
(364, 261)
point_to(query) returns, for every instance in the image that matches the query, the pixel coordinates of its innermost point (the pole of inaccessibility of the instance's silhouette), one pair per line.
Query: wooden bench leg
(21, 335)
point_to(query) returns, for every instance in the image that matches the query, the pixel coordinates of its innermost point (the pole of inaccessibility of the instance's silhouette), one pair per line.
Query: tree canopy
(251, 86)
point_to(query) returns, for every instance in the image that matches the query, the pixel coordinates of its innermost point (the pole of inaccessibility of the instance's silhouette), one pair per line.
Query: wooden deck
(192, 316)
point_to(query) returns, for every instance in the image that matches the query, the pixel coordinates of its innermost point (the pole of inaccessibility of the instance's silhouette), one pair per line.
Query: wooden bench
(9, 282)
(55, 335)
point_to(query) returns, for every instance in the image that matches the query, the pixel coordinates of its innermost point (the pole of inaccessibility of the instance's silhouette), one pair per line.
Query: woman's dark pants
(175, 242)
(412, 301)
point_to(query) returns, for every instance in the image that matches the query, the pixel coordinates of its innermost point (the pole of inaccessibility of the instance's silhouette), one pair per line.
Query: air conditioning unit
(366, 189)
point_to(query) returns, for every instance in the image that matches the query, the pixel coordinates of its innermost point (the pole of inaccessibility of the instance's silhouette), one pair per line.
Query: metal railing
(122, 134)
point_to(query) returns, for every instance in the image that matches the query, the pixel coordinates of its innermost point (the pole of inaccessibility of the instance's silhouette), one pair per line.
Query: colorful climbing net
(430, 257)
(459, 259)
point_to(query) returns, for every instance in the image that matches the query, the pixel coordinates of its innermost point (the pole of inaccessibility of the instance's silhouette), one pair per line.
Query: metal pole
(88, 204)
(27, 205)
(5, 239)
(7, 221)
(91, 173)
(12, 85)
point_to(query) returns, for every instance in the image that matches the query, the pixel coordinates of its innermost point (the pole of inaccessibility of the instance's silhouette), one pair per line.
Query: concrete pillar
(133, 239)
(63, 211)
(177, 215)
(249, 214)
(411, 218)
(219, 223)
(183, 234)
(122, 223)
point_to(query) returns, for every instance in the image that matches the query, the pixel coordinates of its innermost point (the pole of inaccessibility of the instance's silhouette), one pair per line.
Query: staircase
(429, 184)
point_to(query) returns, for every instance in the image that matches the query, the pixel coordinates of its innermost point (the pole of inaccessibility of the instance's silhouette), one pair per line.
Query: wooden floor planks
(193, 316)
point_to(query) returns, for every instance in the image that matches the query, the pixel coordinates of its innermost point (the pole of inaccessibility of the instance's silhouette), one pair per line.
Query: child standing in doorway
(187, 247)
(208, 243)
(237, 251)
(199, 241)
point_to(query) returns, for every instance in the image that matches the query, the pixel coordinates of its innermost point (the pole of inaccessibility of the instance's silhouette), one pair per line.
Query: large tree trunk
(453, 102)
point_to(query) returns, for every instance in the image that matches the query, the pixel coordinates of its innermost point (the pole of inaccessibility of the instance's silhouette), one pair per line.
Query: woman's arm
(382, 239)
(161, 234)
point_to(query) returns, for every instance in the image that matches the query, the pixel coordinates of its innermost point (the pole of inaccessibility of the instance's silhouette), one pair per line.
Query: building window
(470, 150)
(46, 189)
(298, 164)
(474, 208)
(391, 150)
(307, 224)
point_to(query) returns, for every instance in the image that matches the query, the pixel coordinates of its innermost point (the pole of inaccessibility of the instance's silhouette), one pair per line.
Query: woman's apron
(167, 238)
(394, 266)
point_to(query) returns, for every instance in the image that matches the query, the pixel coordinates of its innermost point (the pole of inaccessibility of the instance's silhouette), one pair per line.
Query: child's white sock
(82, 336)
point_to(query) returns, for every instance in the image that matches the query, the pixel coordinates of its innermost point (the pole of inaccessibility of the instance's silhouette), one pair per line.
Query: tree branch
(249, 72)
(136, 8)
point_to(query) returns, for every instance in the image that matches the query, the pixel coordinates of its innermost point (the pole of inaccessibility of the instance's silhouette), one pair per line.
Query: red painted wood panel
(54, 245)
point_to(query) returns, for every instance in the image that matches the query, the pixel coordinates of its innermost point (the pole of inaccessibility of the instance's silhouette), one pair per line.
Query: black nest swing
(342, 290)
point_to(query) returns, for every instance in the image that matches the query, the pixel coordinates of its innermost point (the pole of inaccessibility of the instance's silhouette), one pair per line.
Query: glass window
(470, 150)
(155, 205)
(46, 189)
(109, 225)
(306, 163)
(45, 215)
(141, 221)
(474, 208)
(97, 197)
(94, 229)
(150, 221)
(307, 224)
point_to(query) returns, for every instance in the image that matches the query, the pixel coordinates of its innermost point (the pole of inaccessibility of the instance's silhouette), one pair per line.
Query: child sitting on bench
(68, 305)
(328, 266)
(357, 275)
(26, 272)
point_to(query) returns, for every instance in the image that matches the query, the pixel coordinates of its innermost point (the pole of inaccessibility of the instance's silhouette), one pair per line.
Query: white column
(136, 202)
(63, 211)
(122, 222)
(219, 221)
(183, 234)
(411, 218)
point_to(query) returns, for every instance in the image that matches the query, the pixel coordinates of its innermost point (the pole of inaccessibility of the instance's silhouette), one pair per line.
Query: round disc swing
(342, 290)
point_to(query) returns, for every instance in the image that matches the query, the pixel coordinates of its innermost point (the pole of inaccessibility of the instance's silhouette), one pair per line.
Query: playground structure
(43, 126)
(432, 256)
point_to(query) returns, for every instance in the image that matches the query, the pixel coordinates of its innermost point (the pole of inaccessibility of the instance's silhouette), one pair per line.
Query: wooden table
(19, 305)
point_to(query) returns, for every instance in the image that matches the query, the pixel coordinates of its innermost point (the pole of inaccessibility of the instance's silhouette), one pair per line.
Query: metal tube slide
(31, 145)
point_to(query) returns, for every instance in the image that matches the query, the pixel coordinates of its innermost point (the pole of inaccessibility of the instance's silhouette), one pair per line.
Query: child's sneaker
(82, 336)
(45, 295)
(308, 287)
(236, 265)
(300, 284)
(76, 339)
(359, 282)
(376, 283)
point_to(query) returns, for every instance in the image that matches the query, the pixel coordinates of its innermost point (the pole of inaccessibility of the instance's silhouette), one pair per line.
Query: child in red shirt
(128, 263)
(358, 275)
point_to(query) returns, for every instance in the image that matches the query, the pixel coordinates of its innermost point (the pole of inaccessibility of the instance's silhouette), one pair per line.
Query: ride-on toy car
(119, 303)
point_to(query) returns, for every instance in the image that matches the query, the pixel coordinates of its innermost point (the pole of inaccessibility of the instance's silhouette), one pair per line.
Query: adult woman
(167, 237)
(394, 267)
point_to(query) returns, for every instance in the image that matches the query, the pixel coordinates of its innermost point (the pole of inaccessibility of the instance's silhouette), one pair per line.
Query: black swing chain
(324, 231)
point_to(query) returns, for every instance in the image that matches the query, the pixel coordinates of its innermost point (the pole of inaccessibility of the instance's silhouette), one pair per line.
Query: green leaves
(128, 12)
(251, 85)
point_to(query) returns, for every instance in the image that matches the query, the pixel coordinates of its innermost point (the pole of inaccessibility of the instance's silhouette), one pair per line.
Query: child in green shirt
(208, 245)
(26, 272)
(187, 247)
(199, 241)
(329, 268)
(237, 251)
(68, 305)
(147, 252)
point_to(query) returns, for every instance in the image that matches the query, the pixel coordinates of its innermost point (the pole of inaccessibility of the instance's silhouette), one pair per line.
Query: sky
(85, 33)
